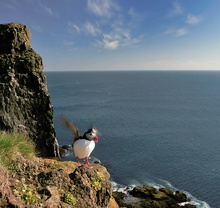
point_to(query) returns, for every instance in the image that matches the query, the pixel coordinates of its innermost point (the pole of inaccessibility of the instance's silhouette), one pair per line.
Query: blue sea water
(157, 127)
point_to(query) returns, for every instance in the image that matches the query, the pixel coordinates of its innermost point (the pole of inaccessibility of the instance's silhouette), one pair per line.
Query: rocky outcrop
(24, 99)
(51, 183)
(147, 196)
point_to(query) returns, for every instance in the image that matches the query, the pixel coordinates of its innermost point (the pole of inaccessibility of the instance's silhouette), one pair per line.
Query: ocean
(157, 127)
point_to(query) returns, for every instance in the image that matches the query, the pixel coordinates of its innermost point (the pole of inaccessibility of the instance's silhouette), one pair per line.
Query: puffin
(82, 145)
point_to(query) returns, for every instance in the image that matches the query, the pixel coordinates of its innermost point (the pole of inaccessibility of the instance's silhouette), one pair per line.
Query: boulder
(24, 99)
(93, 187)
(148, 196)
(7, 198)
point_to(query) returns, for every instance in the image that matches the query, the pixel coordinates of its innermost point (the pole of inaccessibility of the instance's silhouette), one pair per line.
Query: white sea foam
(194, 201)
(122, 188)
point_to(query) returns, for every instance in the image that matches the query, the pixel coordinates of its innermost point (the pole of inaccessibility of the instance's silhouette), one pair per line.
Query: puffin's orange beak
(96, 139)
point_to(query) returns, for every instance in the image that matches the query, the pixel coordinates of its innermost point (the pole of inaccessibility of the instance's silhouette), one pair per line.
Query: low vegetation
(27, 193)
(69, 199)
(13, 145)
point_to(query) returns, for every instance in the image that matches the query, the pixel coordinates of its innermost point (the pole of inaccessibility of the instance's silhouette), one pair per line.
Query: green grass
(14, 144)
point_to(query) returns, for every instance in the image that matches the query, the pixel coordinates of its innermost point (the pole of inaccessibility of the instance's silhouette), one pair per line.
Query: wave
(194, 201)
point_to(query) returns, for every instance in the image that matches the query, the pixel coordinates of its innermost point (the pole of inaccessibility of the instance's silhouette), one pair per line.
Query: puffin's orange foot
(87, 162)
(79, 163)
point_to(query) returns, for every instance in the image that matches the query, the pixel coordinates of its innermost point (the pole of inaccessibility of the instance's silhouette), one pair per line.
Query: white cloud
(101, 8)
(110, 41)
(176, 32)
(42, 8)
(76, 28)
(132, 12)
(110, 44)
(108, 34)
(119, 38)
(72, 28)
(92, 29)
(176, 10)
(193, 20)
(48, 10)
(87, 28)
(181, 31)
(118, 33)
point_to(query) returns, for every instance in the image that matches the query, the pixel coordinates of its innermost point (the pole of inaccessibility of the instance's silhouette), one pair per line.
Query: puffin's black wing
(67, 123)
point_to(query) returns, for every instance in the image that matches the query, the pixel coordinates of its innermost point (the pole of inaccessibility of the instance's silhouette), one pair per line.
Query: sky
(84, 35)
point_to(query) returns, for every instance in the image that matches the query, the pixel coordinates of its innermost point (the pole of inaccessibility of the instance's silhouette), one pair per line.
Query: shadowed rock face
(24, 99)
(15, 38)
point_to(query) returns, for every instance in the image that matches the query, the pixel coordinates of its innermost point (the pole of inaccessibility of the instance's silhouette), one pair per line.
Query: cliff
(24, 99)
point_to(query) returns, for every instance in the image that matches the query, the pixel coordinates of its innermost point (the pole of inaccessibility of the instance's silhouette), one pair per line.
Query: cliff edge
(50, 183)
(24, 99)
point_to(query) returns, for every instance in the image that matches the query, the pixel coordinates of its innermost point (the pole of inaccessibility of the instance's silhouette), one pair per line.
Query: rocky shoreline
(149, 196)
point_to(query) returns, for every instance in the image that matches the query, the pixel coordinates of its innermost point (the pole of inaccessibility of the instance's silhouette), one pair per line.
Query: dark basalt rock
(148, 196)
(15, 38)
(24, 99)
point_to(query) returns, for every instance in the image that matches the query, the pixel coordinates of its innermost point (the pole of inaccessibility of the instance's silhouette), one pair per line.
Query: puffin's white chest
(82, 148)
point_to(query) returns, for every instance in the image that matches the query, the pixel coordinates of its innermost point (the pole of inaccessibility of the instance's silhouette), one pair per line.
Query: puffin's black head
(91, 134)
